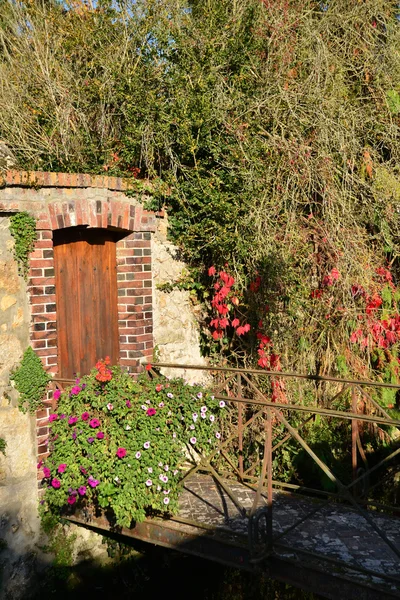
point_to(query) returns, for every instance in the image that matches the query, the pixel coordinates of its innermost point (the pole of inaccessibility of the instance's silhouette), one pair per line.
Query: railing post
(269, 477)
(354, 430)
(240, 424)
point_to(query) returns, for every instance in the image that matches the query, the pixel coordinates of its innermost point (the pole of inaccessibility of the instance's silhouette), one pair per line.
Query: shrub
(122, 445)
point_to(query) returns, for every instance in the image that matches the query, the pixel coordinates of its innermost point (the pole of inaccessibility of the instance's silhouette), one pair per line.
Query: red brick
(48, 243)
(44, 263)
(38, 309)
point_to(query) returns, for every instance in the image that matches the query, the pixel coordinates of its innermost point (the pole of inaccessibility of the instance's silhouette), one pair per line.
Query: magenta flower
(72, 420)
(71, 499)
(53, 417)
(121, 452)
(193, 440)
(128, 403)
(90, 440)
(75, 390)
(151, 412)
(56, 394)
(93, 482)
(82, 490)
(39, 465)
(100, 435)
(149, 482)
(94, 423)
(85, 416)
(61, 468)
(46, 472)
(56, 483)
(74, 436)
(62, 416)
(166, 500)
(83, 471)
(146, 445)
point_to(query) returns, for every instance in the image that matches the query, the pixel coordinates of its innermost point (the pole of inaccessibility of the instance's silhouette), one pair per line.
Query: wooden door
(86, 294)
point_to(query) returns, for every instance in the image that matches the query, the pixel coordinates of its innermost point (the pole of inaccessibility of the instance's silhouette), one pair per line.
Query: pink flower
(146, 445)
(46, 472)
(137, 455)
(166, 500)
(203, 409)
(221, 404)
(56, 483)
(72, 420)
(39, 465)
(212, 418)
(150, 412)
(161, 405)
(149, 482)
(94, 423)
(159, 387)
(100, 435)
(61, 468)
(110, 406)
(218, 435)
(193, 440)
(85, 416)
(192, 427)
(56, 394)
(93, 482)
(53, 417)
(211, 271)
(82, 490)
(121, 452)
(128, 403)
(75, 390)
(71, 500)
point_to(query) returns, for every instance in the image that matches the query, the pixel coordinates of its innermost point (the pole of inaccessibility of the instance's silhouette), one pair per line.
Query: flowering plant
(121, 444)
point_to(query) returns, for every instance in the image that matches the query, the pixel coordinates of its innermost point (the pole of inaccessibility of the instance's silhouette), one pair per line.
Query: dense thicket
(274, 126)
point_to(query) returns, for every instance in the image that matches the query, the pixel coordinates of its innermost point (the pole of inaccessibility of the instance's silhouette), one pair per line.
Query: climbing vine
(31, 381)
(23, 230)
(3, 445)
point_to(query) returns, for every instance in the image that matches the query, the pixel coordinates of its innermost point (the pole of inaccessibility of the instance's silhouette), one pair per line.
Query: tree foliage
(274, 124)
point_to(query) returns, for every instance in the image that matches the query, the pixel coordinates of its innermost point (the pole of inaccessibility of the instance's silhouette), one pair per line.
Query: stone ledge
(38, 179)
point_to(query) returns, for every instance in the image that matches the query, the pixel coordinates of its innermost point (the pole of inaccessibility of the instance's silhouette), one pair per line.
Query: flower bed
(121, 444)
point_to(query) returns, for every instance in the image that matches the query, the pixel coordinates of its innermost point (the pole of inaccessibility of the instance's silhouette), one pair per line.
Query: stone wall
(176, 317)
(19, 523)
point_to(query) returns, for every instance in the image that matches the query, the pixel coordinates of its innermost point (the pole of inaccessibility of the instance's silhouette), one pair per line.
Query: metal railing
(276, 423)
(245, 391)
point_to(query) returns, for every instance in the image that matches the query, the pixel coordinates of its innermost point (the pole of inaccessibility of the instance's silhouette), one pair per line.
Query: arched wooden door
(86, 295)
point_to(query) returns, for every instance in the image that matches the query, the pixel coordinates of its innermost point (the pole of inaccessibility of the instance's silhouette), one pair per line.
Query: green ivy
(31, 381)
(3, 445)
(23, 230)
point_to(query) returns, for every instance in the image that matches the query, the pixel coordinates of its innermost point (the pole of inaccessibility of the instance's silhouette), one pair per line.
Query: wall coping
(38, 179)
